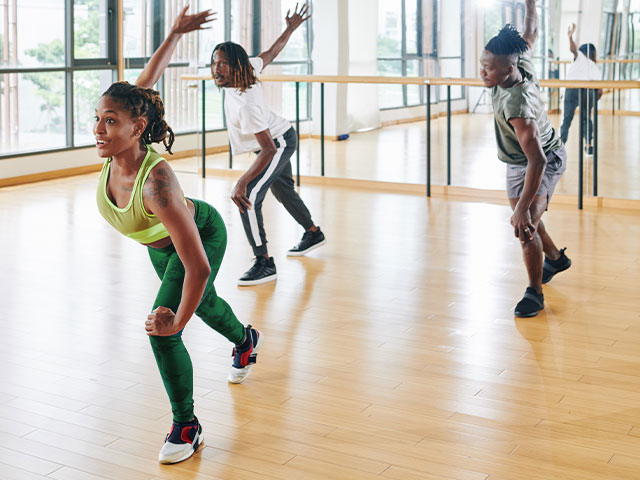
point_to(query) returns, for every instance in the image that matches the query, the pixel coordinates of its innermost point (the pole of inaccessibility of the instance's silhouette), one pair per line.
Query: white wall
(363, 111)
(331, 57)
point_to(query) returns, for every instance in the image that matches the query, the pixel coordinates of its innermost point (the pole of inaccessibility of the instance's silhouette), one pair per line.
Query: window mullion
(68, 76)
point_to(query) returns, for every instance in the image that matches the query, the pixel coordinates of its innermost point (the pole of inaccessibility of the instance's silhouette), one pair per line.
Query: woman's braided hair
(242, 73)
(146, 102)
(507, 42)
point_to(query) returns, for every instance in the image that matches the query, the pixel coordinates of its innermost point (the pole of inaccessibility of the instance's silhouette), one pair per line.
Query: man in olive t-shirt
(533, 151)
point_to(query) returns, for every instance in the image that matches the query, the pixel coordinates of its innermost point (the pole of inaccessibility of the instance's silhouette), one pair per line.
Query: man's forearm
(159, 61)
(269, 55)
(532, 181)
(530, 22)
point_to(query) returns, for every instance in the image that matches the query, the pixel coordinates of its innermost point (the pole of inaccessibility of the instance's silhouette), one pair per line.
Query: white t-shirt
(247, 114)
(583, 68)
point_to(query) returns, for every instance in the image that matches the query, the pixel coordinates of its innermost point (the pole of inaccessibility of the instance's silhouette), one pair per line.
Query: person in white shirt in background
(583, 67)
(253, 127)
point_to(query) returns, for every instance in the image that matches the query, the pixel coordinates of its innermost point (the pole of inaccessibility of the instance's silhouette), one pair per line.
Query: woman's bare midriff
(166, 241)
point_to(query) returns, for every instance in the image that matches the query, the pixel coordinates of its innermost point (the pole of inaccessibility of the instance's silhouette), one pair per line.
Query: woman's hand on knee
(161, 322)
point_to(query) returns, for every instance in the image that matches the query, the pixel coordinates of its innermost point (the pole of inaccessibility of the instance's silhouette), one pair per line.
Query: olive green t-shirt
(521, 101)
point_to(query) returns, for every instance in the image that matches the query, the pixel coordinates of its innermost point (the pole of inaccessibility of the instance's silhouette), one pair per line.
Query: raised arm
(530, 23)
(293, 22)
(572, 44)
(160, 59)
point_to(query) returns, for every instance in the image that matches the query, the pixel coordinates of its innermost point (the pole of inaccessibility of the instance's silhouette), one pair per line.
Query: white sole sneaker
(247, 283)
(239, 375)
(174, 453)
(304, 252)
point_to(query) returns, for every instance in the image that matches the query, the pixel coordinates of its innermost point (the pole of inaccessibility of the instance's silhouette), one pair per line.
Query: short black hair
(589, 49)
(507, 42)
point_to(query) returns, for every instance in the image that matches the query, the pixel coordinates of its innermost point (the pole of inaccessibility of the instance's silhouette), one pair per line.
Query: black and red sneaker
(181, 442)
(244, 355)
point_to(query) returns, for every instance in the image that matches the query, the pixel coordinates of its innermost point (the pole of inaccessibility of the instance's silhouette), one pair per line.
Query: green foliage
(86, 31)
(388, 47)
(50, 86)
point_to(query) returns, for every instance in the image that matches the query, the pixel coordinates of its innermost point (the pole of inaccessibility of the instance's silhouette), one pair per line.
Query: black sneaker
(263, 271)
(309, 241)
(530, 305)
(551, 267)
(181, 442)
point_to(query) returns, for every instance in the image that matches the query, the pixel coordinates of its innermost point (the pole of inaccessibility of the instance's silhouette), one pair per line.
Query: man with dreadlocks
(532, 149)
(253, 127)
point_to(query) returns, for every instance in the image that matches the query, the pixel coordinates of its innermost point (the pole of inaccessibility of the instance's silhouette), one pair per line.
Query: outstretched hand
(188, 23)
(572, 29)
(296, 19)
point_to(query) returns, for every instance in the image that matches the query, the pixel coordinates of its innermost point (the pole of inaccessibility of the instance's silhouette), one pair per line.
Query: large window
(408, 45)
(50, 80)
(295, 59)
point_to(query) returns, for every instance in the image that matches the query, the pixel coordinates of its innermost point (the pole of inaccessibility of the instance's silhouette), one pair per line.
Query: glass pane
(137, 30)
(87, 88)
(281, 97)
(213, 108)
(492, 23)
(90, 28)
(209, 38)
(273, 22)
(20, 45)
(390, 95)
(451, 68)
(450, 36)
(389, 28)
(180, 101)
(35, 115)
(241, 24)
(411, 10)
(413, 91)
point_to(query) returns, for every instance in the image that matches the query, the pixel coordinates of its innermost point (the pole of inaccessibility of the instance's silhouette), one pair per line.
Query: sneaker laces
(258, 264)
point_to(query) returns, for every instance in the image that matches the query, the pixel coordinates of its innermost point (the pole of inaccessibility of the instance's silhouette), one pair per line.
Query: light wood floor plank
(392, 352)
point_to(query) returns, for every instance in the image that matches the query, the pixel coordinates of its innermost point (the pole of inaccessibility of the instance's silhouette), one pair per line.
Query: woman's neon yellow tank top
(132, 220)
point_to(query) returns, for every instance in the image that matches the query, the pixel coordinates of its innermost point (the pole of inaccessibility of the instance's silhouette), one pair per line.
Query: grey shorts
(556, 165)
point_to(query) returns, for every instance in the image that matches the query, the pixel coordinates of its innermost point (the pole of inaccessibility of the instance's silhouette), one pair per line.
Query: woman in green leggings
(140, 196)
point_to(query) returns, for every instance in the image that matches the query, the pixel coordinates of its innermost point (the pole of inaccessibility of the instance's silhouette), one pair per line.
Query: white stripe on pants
(253, 221)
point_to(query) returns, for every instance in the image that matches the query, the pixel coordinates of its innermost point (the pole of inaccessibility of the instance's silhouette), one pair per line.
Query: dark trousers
(571, 102)
(278, 177)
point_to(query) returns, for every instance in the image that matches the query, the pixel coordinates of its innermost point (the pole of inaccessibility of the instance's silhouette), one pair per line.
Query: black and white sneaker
(309, 241)
(262, 271)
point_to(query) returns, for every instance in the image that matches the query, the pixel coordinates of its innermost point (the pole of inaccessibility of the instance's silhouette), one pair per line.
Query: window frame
(421, 57)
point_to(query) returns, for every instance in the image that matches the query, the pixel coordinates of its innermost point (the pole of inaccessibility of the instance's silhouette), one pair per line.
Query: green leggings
(171, 355)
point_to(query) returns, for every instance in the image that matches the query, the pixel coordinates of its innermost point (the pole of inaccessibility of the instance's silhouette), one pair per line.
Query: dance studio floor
(390, 353)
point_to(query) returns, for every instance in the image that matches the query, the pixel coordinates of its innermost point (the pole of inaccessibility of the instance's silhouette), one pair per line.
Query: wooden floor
(397, 154)
(390, 353)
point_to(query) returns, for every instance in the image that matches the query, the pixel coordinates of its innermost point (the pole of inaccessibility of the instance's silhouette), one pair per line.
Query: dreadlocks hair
(242, 72)
(140, 101)
(507, 42)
